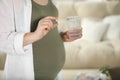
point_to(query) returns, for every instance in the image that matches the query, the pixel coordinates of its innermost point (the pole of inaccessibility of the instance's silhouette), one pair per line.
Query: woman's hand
(71, 35)
(44, 26)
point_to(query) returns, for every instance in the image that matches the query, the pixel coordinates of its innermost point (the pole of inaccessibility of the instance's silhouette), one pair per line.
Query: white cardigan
(15, 18)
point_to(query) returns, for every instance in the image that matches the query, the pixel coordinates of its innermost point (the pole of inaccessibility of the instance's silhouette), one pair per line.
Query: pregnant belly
(49, 57)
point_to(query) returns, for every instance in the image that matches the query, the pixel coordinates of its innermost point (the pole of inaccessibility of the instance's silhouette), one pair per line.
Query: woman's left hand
(71, 35)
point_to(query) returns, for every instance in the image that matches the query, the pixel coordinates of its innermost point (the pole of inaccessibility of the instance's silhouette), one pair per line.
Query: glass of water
(74, 26)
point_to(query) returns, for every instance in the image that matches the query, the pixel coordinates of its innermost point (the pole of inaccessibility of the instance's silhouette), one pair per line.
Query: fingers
(51, 18)
(72, 35)
(48, 22)
(45, 25)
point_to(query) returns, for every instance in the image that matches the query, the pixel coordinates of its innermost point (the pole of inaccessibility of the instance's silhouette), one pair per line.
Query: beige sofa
(100, 46)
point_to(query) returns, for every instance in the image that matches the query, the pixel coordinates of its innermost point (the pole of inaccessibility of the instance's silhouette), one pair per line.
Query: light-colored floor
(70, 74)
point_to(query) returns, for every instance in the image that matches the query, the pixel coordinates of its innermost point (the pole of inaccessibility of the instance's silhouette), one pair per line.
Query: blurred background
(100, 44)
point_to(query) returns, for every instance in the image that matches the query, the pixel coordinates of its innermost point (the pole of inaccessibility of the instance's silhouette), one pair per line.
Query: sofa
(100, 43)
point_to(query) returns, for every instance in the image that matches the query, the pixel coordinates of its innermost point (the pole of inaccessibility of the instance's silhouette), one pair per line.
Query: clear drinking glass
(74, 26)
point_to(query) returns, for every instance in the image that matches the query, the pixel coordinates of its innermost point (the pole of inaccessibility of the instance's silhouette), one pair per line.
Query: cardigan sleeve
(11, 41)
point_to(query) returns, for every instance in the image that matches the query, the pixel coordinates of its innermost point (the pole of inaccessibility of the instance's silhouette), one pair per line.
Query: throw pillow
(114, 27)
(93, 30)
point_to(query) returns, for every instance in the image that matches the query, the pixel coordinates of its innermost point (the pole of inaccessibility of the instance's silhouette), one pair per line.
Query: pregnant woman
(31, 40)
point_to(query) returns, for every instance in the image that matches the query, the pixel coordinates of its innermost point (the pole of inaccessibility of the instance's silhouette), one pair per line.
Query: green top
(48, 53)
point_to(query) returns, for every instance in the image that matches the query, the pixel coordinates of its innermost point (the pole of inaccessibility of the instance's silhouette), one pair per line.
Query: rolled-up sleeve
(18, 43)
(12, 43)
(11, 40)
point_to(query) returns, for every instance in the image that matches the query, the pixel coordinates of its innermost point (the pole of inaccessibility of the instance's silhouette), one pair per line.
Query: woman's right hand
(44, 26)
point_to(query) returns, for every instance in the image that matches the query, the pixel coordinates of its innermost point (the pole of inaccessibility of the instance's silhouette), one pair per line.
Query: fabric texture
(113, 31)
(48, 53)
(93, 30)
(15, 22)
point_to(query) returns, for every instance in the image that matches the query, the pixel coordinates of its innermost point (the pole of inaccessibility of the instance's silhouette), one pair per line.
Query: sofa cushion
(113, 7)
(116, 46)
(93, 30)
(91, 9)
(114, 27)
(84, 54)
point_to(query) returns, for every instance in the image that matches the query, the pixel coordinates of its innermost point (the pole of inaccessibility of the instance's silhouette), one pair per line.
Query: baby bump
(49, 56)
